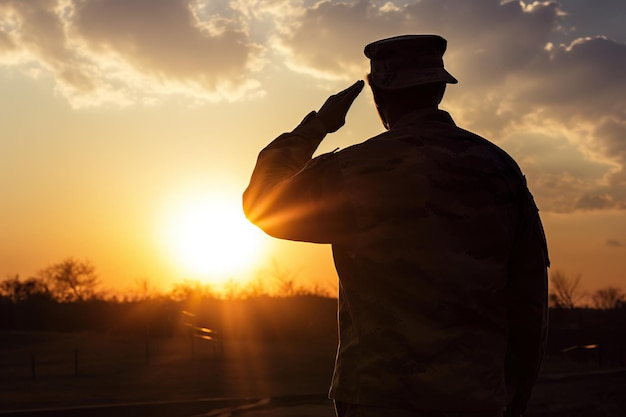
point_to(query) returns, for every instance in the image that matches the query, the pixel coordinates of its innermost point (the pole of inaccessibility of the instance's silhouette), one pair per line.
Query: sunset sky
(129, 126)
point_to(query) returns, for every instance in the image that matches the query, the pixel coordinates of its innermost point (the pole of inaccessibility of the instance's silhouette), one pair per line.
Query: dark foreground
(119, 377)
(601, 394)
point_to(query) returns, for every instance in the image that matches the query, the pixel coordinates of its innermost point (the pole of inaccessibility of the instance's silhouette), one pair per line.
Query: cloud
(522, 67)
(327, 39)
(614, 243)
(127, 50)
(611, 142)
(162, 38)
(545, 80)
(599, 201)
(585, 19)
(581, 87)
(559, 173)
(489, 38)
(585, 77)
(6, 43)
(489, 43)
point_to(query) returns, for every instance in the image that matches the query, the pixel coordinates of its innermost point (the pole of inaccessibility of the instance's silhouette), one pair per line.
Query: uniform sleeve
(292, 196)
(528, 306)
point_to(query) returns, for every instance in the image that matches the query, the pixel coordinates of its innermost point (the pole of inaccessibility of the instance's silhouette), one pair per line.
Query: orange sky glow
(130, 127)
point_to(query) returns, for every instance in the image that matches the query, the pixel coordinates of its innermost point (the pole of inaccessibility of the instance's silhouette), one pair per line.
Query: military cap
(408, 60)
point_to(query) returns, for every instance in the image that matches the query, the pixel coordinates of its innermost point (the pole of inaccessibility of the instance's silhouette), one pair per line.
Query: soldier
(439, 248)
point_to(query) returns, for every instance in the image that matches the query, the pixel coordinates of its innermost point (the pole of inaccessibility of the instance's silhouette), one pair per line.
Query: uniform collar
(424, 116)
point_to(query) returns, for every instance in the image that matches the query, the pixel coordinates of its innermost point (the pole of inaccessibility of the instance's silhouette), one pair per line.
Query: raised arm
(292, 196)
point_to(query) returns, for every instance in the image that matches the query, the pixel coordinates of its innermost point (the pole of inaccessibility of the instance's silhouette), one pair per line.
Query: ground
(178, 377)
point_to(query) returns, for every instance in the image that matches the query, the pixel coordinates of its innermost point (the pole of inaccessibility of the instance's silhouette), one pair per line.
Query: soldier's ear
(377, 97)
(378, 102)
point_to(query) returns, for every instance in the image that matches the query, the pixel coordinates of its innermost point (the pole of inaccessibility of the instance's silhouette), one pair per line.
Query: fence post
(193, 345)
(147, 350)
(76, 361)
(33, 366)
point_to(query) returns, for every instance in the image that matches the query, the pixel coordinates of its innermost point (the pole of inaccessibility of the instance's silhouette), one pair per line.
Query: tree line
(566, 292)
(68, 297)
(72, 280)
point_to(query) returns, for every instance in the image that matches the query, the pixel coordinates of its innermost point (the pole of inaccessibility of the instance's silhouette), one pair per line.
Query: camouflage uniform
(441, 260)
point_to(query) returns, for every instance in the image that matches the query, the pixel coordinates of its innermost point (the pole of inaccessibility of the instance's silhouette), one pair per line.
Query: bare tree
(17, 290)
(255, 288)
(142, 289)
(286, 283)
(189, 289)
(71, 280)
(286, 280)
(608, 298)
(565, 291)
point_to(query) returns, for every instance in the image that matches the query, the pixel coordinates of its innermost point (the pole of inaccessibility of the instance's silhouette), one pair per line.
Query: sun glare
(210, 238)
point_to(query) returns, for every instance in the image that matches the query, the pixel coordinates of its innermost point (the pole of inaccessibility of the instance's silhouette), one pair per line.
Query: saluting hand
(333, 112)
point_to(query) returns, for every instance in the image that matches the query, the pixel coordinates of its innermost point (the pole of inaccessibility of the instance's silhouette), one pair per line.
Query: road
(594, 394)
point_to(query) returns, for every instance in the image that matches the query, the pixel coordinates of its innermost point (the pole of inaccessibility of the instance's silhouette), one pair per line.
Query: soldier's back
(422, 313)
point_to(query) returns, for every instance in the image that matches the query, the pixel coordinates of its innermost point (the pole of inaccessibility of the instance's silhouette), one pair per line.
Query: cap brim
(412, 78)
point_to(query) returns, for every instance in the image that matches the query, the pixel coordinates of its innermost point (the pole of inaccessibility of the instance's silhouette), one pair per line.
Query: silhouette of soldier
(441, 255)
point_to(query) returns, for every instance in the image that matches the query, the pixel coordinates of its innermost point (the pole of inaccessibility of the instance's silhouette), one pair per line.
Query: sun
(210, 239)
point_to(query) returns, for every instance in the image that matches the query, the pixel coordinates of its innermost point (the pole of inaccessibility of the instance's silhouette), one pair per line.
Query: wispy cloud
(129, 50)
(614, 243)
(538, 78)
(523, 68)
(489, 39)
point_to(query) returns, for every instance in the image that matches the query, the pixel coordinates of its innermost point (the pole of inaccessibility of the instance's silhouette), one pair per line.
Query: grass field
(73, 369)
